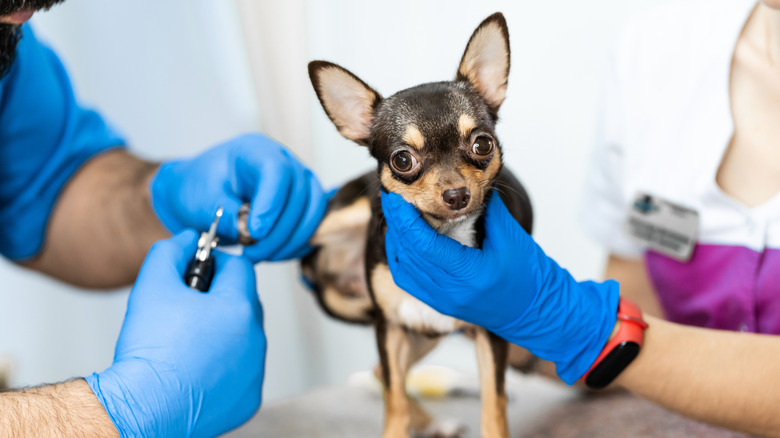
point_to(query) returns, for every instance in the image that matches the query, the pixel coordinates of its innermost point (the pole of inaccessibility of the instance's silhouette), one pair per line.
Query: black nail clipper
(201, 269)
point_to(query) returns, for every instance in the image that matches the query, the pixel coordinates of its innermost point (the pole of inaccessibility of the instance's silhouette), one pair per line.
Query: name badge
(663, 226)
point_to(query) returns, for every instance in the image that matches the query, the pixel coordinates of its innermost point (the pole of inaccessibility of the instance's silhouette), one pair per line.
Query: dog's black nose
(457, 199)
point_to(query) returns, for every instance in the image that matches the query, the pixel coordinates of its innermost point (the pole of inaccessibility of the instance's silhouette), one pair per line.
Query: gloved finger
(264, 177)
(501, 228)
(417, 235)
(391, 246)
(318, 210)
(233, 275)
(168, 259)
(430, 276)
(314, 211)
(274, 190)
(292, 211)
(406, 275)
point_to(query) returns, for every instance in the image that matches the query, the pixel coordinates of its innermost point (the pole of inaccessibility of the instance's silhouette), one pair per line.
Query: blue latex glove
(287, 201)
(510, 286)
(186, 363)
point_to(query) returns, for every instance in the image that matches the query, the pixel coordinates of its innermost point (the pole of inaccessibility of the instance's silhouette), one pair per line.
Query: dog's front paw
(442, 429)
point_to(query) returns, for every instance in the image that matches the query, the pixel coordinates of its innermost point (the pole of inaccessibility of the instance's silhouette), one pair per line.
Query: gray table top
(537, 408)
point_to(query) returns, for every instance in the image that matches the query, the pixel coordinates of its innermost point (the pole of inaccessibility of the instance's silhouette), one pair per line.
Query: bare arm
(103, 224)
(725, 378)
(730, 379)
(65, 409)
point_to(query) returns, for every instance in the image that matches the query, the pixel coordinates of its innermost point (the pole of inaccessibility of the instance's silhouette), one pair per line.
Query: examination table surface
(537, 408)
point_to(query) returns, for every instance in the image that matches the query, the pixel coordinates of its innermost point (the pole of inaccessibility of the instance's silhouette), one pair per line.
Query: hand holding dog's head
(435, 143)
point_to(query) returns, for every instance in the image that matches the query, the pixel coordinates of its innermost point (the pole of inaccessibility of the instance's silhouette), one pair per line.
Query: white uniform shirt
(666, 123)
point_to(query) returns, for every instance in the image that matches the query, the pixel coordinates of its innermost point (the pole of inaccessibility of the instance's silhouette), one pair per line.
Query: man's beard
(10, 34)
(9, 38)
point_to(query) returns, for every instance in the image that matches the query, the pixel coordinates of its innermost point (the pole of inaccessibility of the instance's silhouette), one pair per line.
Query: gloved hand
(186, 363)
(510, 286)
(287, 201)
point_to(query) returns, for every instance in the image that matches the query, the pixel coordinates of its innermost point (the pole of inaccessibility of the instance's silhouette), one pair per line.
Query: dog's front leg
(394, 355)
(492, 360)
(422, 424)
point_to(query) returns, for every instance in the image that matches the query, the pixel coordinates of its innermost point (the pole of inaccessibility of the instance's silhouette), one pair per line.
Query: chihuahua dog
(435, 145)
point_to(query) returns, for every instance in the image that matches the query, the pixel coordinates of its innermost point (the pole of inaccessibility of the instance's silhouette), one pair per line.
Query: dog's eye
(482, 146)
(403, 161)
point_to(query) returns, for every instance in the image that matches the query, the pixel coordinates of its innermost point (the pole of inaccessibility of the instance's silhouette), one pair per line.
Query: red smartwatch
(621, 349)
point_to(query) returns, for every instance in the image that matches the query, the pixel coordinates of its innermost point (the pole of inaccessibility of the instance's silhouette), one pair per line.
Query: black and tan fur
(446, 128)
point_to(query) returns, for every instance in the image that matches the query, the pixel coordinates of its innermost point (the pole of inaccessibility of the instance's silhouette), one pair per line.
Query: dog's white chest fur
(414, 313)
(463, 231)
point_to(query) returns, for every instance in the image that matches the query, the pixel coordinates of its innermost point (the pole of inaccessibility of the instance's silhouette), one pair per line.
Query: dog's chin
(448, 219)
(458, 218)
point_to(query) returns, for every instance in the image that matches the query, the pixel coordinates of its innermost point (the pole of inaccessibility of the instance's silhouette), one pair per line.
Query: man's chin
(11, 33)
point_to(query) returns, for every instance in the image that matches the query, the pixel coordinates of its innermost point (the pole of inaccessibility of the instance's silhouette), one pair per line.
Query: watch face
(613, 364)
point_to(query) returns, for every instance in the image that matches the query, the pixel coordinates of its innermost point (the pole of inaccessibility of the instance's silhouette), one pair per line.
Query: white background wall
(175, 76)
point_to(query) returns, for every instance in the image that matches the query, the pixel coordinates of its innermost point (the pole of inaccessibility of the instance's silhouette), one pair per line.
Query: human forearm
(103, 223)
(117, 205)
(635, 284)
(65, 409)
(724, 378)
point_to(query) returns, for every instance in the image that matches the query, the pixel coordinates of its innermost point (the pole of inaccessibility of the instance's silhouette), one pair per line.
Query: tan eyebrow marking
(466, 124)
(413, 137)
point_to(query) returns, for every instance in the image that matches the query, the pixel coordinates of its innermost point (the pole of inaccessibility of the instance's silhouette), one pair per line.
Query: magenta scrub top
(665, 125)
(722, 286)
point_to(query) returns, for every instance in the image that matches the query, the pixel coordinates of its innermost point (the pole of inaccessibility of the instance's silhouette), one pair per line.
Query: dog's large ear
(348, 101)
(485, 62)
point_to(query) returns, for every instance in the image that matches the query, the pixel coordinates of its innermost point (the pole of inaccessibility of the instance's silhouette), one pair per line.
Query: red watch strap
(632, 328)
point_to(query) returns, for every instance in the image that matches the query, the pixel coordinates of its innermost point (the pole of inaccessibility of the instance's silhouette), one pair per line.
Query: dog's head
(435, 143)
